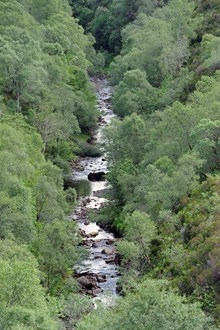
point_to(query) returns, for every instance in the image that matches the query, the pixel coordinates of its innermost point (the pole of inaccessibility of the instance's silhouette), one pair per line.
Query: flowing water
(98, 274)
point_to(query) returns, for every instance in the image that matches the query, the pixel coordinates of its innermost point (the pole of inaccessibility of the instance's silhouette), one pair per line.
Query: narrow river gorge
(98, 273)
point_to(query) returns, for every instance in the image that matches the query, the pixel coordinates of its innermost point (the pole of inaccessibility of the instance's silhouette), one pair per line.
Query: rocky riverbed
(98, 274)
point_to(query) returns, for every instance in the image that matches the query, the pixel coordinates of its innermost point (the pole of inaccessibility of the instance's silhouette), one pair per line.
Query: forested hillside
(46, 103)
(164, 157)
(162, 58)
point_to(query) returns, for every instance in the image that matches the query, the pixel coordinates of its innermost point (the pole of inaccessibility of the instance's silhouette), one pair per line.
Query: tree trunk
(18, 107)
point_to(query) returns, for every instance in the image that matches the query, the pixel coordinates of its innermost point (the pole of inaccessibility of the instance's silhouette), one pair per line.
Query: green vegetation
(23, 303)
(46, 101)
(163, 60)
(150, 306)
(44, 73)
(36, 237)
(105, 19)
(164, 156)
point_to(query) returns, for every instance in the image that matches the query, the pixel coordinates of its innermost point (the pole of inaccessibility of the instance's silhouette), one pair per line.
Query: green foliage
(134, 94)
(135, 249)
(32, 198)
(201, 217)
(150, 306)
(17, 170)
(129, 252)
(32, 189)
(167, 216)
(44, 69)
(206, 141)
(48, 192)
(210, 11)
(122, 176)
(156, 190)
(76, 306)
(144, 39)
(88, 150)
(55, 248)
(23, 302)
(210, 52)
(46, 99)
(101, 26)
(71, 197)
(106, 19)
(158, 45)
(159, 158)
(126, 139)
(190, 255)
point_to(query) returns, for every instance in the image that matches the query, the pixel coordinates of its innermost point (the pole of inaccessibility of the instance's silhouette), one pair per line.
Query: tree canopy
(163, 150)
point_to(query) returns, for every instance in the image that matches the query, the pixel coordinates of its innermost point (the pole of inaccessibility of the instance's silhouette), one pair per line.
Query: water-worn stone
(87, 281)
(93, 234)
(96, 176)
(96, 243)
(100, 247)
(110, 241)
(83, 233)
(95, 292)
(90, 283)
(108, 251)
(101, 278)
(97, 257)
(110, 260)
(87, 243)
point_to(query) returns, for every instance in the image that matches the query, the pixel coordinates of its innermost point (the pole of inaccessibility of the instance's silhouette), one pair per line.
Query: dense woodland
(162, 58)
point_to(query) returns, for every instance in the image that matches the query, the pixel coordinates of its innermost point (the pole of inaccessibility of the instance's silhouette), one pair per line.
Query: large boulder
(101, 278)
(111, 260)
(89, 283)
(96, 176)
(109, 250)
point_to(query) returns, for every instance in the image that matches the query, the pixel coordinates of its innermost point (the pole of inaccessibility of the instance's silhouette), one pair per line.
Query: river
(98, 273)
